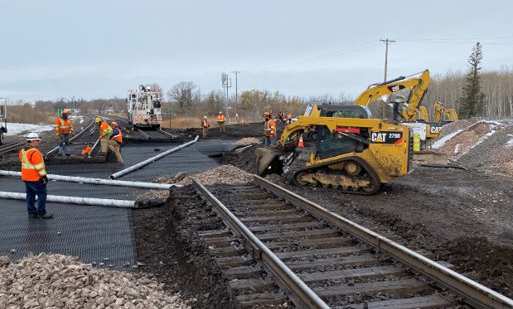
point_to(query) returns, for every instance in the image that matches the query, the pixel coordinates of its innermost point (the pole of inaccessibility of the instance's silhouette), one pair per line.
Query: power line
(387, 42)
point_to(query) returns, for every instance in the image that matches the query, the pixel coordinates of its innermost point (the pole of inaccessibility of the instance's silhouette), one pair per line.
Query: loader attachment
(268, 161)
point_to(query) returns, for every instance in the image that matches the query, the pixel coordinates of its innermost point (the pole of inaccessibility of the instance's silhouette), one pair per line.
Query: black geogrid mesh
(95, 234)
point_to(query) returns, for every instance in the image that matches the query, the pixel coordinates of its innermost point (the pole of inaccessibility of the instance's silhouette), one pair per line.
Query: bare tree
(182, 93)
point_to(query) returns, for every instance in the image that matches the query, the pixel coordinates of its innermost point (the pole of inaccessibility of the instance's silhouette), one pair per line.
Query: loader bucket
(267, 161)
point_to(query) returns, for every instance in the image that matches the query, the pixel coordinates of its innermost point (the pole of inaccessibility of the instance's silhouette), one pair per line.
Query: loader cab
(345, 111)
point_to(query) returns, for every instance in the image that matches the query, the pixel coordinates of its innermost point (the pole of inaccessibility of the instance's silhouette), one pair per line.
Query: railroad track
(275, 246)
(86, 134)
(5, 149)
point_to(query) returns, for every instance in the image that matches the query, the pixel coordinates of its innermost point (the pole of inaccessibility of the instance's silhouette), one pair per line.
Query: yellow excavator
(410, 111)
(442, 114)
(343, 148)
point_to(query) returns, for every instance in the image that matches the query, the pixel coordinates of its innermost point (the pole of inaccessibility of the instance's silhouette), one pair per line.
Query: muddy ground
(462, 217)
(178, 264)
(231, 131)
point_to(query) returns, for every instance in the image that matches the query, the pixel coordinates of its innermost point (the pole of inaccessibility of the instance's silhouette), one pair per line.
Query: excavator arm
(438, 111)
(417, 84)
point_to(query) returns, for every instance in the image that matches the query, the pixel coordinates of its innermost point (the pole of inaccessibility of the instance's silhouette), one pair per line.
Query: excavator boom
(417, 84)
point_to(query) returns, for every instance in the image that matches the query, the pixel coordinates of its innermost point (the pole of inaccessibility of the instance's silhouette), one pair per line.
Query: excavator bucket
(267, 161)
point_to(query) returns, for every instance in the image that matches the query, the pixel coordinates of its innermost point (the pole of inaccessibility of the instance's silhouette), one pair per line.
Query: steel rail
(151, 160)
(473, 292)
(74, 200)
(100, 181)
(10, 147)
(74, 137)
(166, 133)
(303, 296)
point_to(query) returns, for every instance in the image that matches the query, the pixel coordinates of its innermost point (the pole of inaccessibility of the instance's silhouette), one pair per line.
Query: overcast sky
(92, 48)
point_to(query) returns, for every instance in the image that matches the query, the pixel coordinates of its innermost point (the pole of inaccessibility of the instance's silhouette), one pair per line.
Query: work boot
(46, 216)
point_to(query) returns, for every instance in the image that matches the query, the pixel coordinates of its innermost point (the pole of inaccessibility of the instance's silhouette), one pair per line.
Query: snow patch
(493, 126)
(22, 128)
(440, 142)
(509, 143)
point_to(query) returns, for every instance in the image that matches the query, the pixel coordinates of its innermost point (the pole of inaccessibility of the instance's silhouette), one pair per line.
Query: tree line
(475, 93)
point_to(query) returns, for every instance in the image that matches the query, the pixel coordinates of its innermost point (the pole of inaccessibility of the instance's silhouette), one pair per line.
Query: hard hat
(98, 119)
(398, 99)
(66, 111)
(32, 137)
(114, 124)
(220, 112)
(205, 117)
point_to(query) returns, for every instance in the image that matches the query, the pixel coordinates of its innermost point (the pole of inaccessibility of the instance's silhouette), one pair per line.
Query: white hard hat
(32, 137)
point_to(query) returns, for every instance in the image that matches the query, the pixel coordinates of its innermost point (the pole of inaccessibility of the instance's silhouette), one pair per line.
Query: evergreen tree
(472, 99)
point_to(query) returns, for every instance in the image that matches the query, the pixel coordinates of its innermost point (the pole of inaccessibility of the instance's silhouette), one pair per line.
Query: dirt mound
(231, 131)
(463, 140)
(483, 261)
(248, 141)
(58, 281)
(244, 159)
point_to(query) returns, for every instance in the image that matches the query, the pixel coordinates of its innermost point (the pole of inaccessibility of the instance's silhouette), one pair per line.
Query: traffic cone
(300, 143)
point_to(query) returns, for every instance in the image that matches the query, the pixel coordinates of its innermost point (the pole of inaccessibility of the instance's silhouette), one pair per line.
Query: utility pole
(386, 41)
(236, 86)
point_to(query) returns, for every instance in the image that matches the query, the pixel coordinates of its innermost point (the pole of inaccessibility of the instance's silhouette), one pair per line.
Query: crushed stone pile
(457, 126)
(248, 141)
(463, 140)
(59, 281)
(224, 174)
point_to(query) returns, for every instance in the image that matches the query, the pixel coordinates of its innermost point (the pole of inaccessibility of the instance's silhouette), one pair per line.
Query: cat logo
(435, 129)
(385, 137)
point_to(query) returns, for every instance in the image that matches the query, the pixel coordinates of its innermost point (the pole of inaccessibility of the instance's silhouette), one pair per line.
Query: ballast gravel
(59, 281)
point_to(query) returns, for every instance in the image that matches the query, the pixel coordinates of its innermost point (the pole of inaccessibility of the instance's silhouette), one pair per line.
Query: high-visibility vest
(204, 123)
(117, 136)
(32, 165)
(271, 128)
(105, 129)
(63, 126)
(220, 118)
(86, 150)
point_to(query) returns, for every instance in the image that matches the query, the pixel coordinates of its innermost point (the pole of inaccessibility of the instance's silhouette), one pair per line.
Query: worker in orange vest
(269, 129)
(33, 173)
(204, 126)
(115, 142)
(105, 133)
(86, 151)
(64, 129)
(220, 121)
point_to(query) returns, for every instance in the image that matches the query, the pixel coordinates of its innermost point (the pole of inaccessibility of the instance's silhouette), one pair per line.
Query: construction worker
(115, 141)
(86, 151)
(204, 126)
(64, 129)
(105, 133)
(220, 121)
(269, 129)
(33, 173)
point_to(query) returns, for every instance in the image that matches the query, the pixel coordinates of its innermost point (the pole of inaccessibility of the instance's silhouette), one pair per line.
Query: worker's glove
(44, 179)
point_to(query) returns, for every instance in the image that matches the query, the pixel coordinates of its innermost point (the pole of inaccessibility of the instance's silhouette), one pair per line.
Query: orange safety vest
(271, 128)
(220, 118)
(32, 165)
(118, 137)
(204, 123)
(63, 126)
(86, 150)
(105, 129)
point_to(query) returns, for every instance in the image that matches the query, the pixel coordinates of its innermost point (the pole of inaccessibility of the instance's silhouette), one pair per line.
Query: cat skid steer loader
(343, 148)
